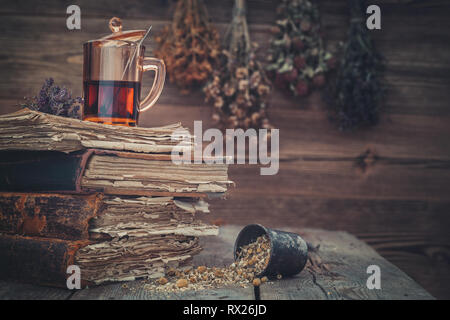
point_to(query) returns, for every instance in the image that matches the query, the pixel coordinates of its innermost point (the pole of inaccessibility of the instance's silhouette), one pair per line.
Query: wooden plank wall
(389, 185)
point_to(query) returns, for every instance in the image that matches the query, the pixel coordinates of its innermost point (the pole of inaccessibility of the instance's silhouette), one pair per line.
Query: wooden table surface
(336, 270)
(389, 184)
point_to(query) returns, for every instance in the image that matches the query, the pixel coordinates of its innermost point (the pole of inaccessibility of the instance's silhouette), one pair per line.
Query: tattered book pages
(36, 131)
(147, 216)
(130, 258)
(146, 221)
(108, 172)
(141, 236)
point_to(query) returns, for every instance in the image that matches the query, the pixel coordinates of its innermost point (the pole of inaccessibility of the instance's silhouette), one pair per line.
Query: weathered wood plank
(425, 257)
(358, 216)
(412, 234)
(346, 179)
(137, 291)
(415, 41)
(258, 10)
(42, 32)
(338, 269)
(307, 133)
(22, 291)
(411, 57)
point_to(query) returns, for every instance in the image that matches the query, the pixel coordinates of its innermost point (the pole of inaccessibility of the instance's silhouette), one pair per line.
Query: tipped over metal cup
(288, 251)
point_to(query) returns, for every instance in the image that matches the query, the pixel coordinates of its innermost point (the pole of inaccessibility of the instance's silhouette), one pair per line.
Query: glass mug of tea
(112, 75)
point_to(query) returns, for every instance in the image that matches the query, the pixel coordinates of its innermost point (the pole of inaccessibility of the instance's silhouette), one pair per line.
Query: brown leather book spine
(59, 216)
(37, 260)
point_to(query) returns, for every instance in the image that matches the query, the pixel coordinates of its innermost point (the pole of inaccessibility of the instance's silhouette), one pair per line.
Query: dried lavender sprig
(55, 100)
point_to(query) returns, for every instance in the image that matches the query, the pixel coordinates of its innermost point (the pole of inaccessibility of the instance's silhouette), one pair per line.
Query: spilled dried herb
(251, 261)
(297, 60)
(189, 46)
(239, 88)
(55, 100)
(356, 95)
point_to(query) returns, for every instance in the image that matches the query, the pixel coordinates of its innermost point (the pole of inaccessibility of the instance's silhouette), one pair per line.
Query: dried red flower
(291, 76)
(299, 62)
(302, 88)
(298, 44)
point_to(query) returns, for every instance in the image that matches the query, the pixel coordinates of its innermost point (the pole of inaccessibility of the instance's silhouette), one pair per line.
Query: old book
(33, 130)
(46, 153)
(115, 188)
(98, 217)
(133, 257)
(48, 215)
(37, 260)
(44, 261)
(138, 254)
(110, 172)
(143, 236)
(149, 216)
(125, 237)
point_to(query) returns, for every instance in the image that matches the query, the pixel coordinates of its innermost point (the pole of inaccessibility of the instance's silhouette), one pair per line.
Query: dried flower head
(189, 46)
(297, 53)
(239, 87)
(356, 94)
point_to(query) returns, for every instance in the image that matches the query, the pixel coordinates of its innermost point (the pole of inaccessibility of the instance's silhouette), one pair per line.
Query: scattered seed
(256, 282)
(201, 269)
(170, 272)
(181, 283)
(252, 259)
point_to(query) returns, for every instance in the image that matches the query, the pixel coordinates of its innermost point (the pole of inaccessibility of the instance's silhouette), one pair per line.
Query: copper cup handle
(159, 67)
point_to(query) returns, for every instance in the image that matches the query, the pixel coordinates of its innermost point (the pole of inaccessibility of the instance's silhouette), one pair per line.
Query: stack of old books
(105, 198)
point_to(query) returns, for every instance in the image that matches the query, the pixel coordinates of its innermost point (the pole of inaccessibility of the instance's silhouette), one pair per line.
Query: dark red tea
(112, 102)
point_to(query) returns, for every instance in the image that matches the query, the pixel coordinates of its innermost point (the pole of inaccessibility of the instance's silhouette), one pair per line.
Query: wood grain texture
(23, 291)
(336, 270)
(325, 179)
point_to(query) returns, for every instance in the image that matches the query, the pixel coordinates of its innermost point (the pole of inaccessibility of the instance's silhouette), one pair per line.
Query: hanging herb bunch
(356, 94)
(297, 60)
(239, 88)
(55, 100)
(189, 46)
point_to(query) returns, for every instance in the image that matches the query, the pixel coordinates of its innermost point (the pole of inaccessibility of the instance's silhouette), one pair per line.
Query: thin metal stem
(135, 51)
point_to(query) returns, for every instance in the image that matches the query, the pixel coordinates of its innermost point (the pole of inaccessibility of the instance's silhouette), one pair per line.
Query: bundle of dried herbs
(189, 46)
(55, 100)
(239, 88)
(356, 94)
(297, 60)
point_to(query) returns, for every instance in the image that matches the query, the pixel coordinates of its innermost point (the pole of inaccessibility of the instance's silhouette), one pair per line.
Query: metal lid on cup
(118, 37)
